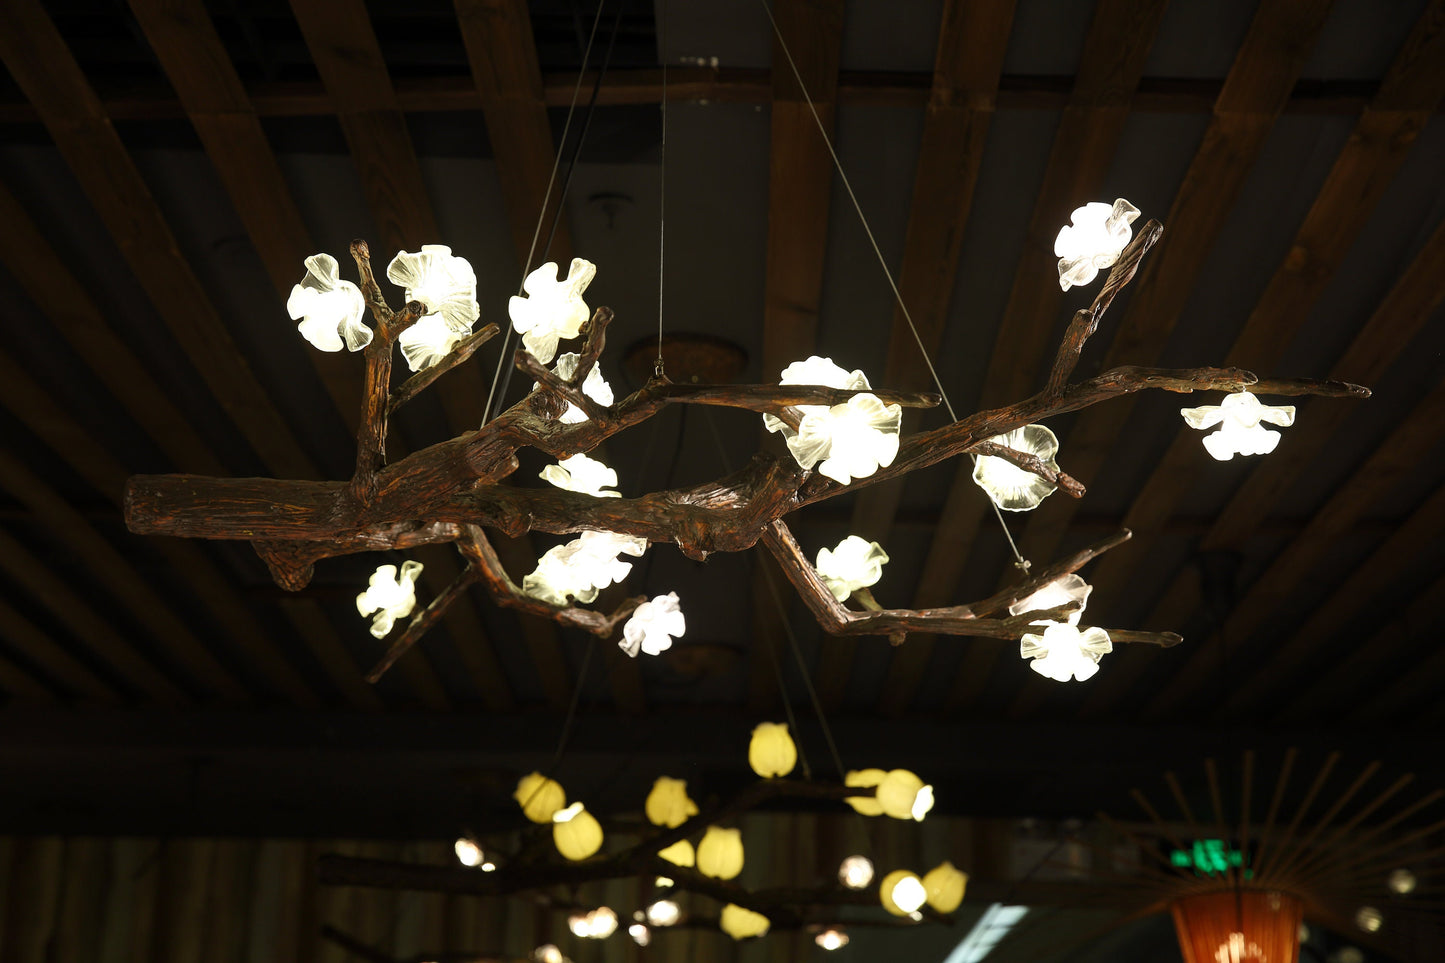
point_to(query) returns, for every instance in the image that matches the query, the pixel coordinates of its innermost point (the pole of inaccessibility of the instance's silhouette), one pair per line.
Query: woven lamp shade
(1238, 926)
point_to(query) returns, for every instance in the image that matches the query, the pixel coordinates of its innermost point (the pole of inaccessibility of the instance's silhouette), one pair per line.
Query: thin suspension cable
(1019, 560)
(546, 199)
(661, 188)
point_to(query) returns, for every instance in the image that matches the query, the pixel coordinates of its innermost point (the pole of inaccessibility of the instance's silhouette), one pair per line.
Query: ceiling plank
(185, 42)
(1280, 39)
(1366, 165)
(19, 684)
(1115, 50)
(1392, 326)
(51, 658)
(41, 64)
(800, 182)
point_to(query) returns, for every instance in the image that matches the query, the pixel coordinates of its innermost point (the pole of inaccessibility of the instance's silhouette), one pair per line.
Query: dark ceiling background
(165, 166)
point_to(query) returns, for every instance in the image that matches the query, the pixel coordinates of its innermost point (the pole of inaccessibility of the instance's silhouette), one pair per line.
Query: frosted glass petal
(390, 596)
(853, 564)
(582, 474)
(445, 283)
(1239, 417)
(1094, 238)
(594, 386)
(1010, 487)
(582, 567)
(1061, 591)
(551, 309)
(427, 341)
(1063, 652)
(328, 308)
(653, 626)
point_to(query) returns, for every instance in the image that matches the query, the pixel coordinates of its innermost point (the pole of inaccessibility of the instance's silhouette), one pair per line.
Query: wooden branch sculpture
(453, 490)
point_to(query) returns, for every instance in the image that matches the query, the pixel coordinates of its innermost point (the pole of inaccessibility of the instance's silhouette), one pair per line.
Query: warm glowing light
(539, 797)
(903, 795)
(865, 779)
(944, 885)
(586, 476)
(447, 286)
(1369, 919)
(640, 934)
(596, 925)
(856, 872)
(576, 833)
(679, 853)
(1061, 591)
(901, 892)
(652, 627)
(771, 752)
(1402, 882)
(582, 568)
(1063, 652)
(468, 852)
(552, 309)
(662, 882)
(1009, 486)
(390, 596)
(1239, 418)
(328, 308)
(851, 440)
(547, 953)
(831, 939)
(741, 923)
(720, 854)
(668, 803)
(664, 912)
(855, 563)
(594, 386)
(1094, 239)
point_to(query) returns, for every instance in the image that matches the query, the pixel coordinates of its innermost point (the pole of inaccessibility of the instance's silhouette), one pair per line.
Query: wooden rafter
(52, 659)
(800, 179)
(1110, 67)
(1256, 89)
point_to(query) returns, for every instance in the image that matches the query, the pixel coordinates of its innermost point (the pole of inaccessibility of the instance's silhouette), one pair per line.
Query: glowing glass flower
(328, 308)
(595, 925)
(582, 567)
(720, 854)
(851, 440)
(594, 386)
(1063, 652)
(447, 286)
(741, 923)
(902, 795)
(668, 803)
(1061, 591)
(575, 832)
(653, 626)
(663, 912)
(1240, 432)
(1094, 239)
(853, 564)
(855, 872)
(539, 797)
(679, 853)
(771, 751)
(865, 779)
(389, 596)
(944, 885)
(582, 474)
(553, 309)
(901, 892)
(1010, 487)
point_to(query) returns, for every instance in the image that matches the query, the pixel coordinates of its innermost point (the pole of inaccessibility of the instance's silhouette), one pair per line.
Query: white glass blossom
(1063, 652)
(594, 386)
(1093, 240)
(595, 925)
(582, 474)
(653, 626)
(447, 285)
(1240, 432)
(582, 567)
(390, 597)
(851, 440)
(328, 308)
(1010, 487)
(855, 563)
(1061, 591)
(552, 309)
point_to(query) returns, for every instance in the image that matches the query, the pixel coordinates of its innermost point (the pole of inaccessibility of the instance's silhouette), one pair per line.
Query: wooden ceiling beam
(1280, 39)
(20, 685)
(41, 64)
(1394, 323)
(52, 659)
(800, 183)
(184, 40)
(1366, 165)
(1115, 50)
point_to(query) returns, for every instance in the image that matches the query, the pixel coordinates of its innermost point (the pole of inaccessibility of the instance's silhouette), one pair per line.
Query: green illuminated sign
(1209, 857)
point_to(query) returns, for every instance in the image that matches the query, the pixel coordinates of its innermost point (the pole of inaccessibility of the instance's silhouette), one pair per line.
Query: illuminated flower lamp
(720, 854)
(548, 953)
(390, 596)
(328, 308)
(576, 832)
(855, 563)
(742, 924)
(902, 892)
(1094, 239)
(865, 779)
(469, 853)
(582, 567)
(1064, 652)
(851, 440)
(679, 853)
(594, 386)
(551, 309)
(447, 286)
(640, 934)
(944, 885)
(652, 627)
(664, 912)
(1238, 926)
(1059, 592)
(586, 476)
(831, 939)
(772, 752)
(903, 795)
(668, 803)
(1009, 486)
(856, 872)
(539, 797)
(597, 924)
(1240, 432)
